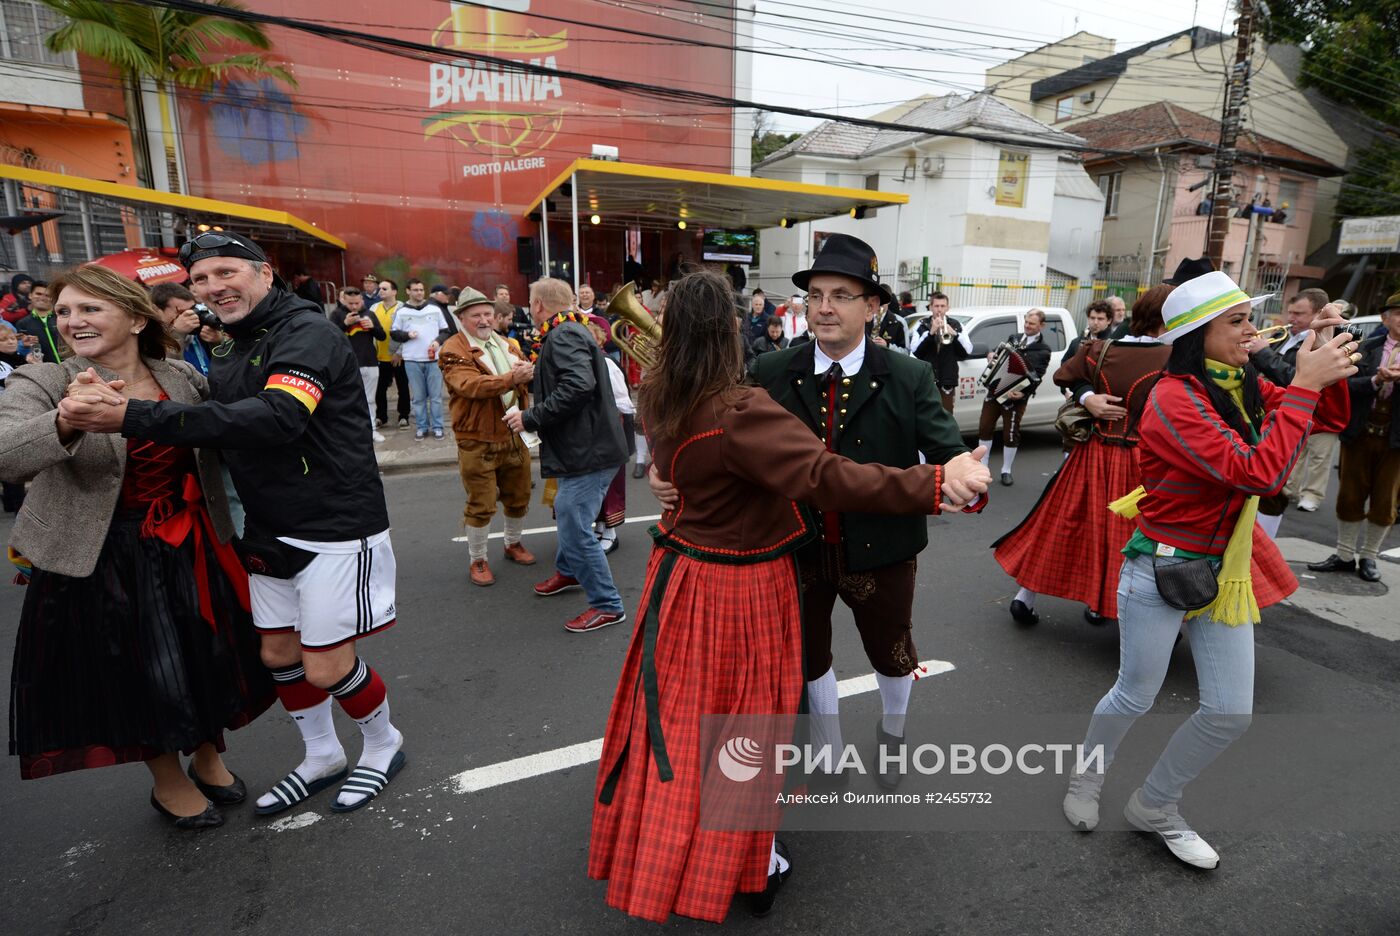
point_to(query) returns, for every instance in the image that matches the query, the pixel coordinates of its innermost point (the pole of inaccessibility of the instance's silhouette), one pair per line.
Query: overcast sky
(933, 47)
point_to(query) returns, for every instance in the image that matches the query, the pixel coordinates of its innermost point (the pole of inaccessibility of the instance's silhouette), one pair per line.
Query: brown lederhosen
(493, 471)
(1370, 468)
(948, 397)
(881, 600)
(1010, 417)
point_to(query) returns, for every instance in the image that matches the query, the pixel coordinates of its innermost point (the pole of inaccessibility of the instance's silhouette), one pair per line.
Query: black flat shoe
(236, 792)
(761, 904)
(1006, 479)
(640, 471)
(211, 818)
(1333, 563)
(1097, 619)
(887, 779)
(1366, 568)
(1022, 614)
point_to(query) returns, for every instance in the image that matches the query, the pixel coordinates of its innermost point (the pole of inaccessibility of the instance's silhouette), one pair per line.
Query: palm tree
(167, 47)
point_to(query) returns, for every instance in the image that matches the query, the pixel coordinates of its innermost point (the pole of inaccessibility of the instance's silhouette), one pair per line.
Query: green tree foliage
(1351, 53)
(769, 143)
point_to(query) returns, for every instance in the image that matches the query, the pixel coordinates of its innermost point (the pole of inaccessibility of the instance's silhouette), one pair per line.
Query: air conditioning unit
(1205, 162)
(932, 167)
(1087, 97)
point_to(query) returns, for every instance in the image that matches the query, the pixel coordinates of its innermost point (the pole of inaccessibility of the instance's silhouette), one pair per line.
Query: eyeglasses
(209, 240)
(839, 300)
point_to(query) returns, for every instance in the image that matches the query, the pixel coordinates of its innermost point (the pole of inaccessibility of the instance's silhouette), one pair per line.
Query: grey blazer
(74, 488)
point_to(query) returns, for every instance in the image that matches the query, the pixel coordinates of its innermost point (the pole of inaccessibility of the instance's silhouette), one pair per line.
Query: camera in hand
(207, 317)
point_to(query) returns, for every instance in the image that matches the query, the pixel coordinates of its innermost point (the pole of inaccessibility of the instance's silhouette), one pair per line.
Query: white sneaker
(1176, 834)
(378, 436)
(1082, 801)
(1308, 504)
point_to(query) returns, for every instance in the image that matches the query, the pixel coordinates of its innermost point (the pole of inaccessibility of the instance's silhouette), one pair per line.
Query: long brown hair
(700, 354)
(155, 341)
(1147, 310)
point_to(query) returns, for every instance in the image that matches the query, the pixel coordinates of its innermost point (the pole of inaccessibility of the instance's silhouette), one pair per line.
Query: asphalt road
(482, 676)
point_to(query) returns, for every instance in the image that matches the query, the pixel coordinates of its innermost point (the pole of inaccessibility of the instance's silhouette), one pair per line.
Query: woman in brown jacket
(485, 377)
(135, 642)
(718, 631)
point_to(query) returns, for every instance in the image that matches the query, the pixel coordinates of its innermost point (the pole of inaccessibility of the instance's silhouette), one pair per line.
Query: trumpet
(946, 335)
(1274, 334)
(643, 344)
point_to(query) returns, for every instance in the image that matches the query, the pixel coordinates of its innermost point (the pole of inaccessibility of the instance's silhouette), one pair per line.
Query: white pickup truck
(988, 326)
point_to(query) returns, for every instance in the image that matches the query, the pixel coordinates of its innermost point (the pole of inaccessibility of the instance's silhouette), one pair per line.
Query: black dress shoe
(1096, 619)
(235, 792)
(762, 902)
(887, 779)
(1022, 614)
(1006, 479)
(1366, 568)
(640, 470)
(1333, 563)
(211, 818)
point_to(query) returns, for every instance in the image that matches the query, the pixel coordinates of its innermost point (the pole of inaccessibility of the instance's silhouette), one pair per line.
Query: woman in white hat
(1214, 438)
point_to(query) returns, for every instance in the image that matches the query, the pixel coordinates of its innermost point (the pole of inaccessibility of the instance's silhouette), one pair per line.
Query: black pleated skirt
(121, 666)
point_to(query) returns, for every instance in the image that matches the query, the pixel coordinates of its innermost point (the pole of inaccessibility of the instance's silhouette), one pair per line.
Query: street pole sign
(1370, 235)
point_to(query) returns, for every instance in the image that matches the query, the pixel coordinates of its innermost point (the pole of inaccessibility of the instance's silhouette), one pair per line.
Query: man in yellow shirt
(390, 363)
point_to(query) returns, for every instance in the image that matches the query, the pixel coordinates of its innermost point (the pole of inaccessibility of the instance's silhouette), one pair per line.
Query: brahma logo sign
(468, 92)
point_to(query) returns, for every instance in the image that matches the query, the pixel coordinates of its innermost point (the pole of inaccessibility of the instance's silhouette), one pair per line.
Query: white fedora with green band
(1197, 301)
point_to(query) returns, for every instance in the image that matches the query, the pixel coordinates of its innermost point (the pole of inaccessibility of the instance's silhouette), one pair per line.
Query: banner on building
(1011, 179)
(1370, 235)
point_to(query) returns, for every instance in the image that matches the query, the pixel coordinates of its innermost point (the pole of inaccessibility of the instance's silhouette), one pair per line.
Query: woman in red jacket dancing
(1214, 439)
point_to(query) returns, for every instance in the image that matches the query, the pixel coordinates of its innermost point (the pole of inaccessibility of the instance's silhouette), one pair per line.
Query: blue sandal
(368, 782)
(292, 789)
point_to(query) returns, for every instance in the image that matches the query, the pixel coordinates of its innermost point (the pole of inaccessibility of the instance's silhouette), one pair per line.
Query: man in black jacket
(287, 410)
(942, 355)
(1036, 353)
(1369, 473)
(581, 444)
(363, 330)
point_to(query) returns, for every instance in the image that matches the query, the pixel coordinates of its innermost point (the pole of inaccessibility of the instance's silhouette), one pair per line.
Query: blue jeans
(425, 387)
(580, 555)
(1224, 656)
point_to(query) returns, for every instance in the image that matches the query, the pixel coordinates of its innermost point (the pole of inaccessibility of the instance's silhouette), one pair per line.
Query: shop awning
(189, 211)
(660, 197)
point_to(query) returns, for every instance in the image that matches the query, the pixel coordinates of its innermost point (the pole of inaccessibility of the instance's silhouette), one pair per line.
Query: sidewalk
(399, 452)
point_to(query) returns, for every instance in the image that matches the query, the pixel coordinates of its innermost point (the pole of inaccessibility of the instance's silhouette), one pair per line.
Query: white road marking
(576, 755)
(1392, 554)
(299, 821)
(554, 529)
(1366, 613)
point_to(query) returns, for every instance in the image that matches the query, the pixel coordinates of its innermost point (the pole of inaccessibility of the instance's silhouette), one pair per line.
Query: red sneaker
(555, 584)
(593, 619)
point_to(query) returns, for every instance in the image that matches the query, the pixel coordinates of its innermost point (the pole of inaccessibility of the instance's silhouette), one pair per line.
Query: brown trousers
(1369, 469)
(881, 600)
(948, 397)
(1010, 421)
(494, 471)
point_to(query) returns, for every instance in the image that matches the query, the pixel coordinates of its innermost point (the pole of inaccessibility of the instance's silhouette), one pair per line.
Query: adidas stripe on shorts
(345, 593)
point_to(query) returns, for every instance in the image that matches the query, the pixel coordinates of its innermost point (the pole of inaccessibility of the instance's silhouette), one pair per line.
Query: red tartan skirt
(1071, 545)
(729, 643)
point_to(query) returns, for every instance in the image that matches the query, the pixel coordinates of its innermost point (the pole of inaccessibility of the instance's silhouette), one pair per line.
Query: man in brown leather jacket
(485, 377)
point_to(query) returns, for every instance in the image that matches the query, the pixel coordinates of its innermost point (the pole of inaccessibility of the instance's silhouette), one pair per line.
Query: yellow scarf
(1235, 604)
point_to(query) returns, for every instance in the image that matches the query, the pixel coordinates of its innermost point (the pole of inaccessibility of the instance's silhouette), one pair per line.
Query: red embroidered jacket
(1193, 464)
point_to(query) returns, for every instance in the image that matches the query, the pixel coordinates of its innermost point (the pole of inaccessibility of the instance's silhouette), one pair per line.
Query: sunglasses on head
(209, 240)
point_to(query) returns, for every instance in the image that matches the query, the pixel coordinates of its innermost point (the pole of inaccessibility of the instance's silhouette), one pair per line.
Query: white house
(976, 209)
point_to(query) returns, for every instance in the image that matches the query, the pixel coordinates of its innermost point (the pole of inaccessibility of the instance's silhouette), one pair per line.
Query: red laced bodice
(155, 476)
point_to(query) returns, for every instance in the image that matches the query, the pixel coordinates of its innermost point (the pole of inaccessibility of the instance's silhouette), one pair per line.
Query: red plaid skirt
(1071, 545)
(729, 642)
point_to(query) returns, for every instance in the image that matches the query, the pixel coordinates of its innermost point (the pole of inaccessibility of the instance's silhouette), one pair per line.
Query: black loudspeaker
(526, 261)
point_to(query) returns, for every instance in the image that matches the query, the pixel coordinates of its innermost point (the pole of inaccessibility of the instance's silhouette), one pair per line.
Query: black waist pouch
(1188, 585)
(264, 554)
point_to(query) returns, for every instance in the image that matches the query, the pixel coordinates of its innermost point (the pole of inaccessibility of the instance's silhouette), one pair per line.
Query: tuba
(640, 343)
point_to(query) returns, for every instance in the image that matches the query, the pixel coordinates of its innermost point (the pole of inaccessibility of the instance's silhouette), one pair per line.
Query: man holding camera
(197, 329)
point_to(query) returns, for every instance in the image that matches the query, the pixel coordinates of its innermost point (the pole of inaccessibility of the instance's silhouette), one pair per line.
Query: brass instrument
(643, 341)
(946, 335)
(1274, 334)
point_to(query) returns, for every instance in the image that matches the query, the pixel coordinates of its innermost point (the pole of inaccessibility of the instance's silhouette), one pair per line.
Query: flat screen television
(728, 246)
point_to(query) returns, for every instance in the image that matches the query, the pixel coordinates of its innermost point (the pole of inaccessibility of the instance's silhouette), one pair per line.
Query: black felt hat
(1189, 270)
(847, 256)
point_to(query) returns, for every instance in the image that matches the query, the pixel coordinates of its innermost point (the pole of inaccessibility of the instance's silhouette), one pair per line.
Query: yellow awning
(196, 210)
(658, 197)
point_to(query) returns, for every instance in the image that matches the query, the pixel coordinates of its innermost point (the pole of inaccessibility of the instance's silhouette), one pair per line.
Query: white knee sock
(1026, 597)
(1008, 455)
(986, 446)
(324, 755)
(514, 527)
(823, 704)
(1269, 524)
(1375, 537)
(476, 541)
(608, 535)
(894, 700)
(642, 454)
(1347, 531)
(777, 864)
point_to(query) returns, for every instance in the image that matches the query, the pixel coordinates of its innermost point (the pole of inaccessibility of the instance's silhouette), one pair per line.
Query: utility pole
(1236, 92)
